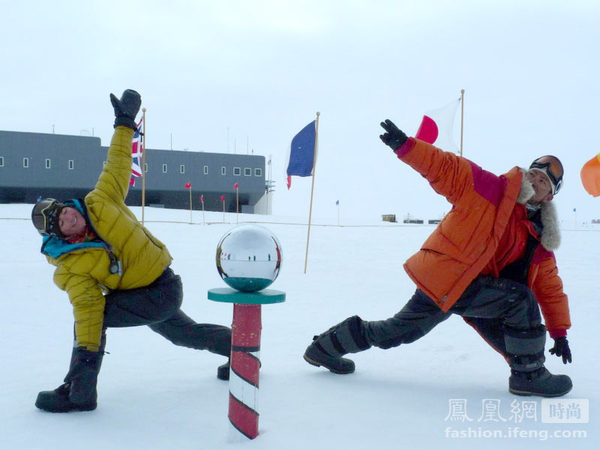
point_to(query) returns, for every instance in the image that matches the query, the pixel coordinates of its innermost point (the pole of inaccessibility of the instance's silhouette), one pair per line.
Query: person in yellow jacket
(115, 272)
(490, 261)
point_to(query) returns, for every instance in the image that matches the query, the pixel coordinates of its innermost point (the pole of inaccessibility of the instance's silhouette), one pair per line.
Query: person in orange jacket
(490, 260)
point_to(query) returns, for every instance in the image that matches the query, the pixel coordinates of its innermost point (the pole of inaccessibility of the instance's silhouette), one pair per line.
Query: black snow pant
(487, 304)
(158, 306)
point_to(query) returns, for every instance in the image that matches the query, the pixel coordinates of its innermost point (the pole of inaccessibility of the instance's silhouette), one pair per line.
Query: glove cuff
(555, 334)
(125, 121)
(405, 148)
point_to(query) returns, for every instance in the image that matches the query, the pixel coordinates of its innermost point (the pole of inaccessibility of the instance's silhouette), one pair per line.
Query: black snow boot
(78, 393)
(223, 371)
(58, 401)
(525, 349)
(328, 348)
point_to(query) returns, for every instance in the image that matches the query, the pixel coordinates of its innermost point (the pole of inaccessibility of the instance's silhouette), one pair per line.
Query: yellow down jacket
(84, 273)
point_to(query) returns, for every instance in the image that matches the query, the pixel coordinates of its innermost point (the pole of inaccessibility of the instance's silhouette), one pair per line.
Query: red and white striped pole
(245, 354)
(245, 365)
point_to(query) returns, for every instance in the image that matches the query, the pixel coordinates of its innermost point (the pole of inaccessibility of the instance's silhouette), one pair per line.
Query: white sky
(239, 75)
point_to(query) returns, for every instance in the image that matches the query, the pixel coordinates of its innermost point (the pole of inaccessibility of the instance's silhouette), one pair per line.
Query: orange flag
(590, 176)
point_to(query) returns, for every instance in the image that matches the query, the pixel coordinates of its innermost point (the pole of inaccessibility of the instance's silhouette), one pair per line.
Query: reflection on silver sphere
(249, 258)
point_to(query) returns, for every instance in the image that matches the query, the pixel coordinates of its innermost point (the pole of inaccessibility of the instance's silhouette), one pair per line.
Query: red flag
(202, 198)
(222, 198)
(188, 185)
(236, 186)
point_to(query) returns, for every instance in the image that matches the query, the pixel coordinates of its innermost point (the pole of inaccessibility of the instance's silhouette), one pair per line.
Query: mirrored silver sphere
(249, 258)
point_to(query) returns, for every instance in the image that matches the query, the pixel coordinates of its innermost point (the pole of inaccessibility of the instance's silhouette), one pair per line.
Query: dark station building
(34, 165)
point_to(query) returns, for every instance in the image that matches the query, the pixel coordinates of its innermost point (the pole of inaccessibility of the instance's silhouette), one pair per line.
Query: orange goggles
(553, 169)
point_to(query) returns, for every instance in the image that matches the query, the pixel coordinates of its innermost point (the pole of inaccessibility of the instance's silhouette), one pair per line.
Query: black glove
(126, 109)
(394, 137)
(561, 348)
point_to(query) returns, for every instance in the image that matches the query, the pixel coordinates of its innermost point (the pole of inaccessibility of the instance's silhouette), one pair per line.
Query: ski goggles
(553, 169)
(45, 217)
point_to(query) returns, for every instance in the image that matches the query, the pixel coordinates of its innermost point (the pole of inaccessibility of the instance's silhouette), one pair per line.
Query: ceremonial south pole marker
(248, 260)
(245, 354)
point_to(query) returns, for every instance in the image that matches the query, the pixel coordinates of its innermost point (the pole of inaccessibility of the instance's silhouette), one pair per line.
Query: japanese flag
(437, 127)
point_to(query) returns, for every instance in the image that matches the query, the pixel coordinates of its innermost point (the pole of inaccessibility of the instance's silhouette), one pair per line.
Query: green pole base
(264, 297)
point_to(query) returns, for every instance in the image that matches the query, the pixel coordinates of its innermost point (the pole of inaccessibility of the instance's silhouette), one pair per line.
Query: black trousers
(159, 306)
(487, 304)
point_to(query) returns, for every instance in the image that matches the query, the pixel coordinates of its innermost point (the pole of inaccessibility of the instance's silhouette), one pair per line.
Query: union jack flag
(137, 150)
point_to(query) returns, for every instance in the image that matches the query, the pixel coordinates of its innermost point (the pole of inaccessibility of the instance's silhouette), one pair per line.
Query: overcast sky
(246, 76)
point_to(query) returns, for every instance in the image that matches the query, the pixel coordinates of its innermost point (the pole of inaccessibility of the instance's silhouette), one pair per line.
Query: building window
(71, 164)
(164, 168)
(146, 168)
(48, 163)
(205, 170)
(237, 171)
(181, 168)
(247, 172)
(223, 170)
(26, 163)
(258, 172)
(1, 161)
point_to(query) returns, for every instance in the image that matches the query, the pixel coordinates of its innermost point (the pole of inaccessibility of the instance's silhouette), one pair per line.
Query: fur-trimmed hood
(550, 237)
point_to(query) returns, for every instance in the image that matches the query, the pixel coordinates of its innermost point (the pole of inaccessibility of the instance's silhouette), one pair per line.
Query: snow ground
(153, 395)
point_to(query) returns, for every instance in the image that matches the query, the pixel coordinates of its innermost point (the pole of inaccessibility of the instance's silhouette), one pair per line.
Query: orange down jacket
(468, 237)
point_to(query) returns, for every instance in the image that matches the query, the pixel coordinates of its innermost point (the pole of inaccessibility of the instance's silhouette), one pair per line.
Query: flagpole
(190, 204)
(269, 186)
(312, 189)
(462, 115)
(143, 163)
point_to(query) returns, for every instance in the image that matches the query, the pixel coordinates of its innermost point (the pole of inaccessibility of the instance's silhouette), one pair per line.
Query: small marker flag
(188, 185)
(302, 153)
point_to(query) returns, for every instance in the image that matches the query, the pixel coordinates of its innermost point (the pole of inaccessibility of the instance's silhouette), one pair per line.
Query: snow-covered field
(153, 395)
